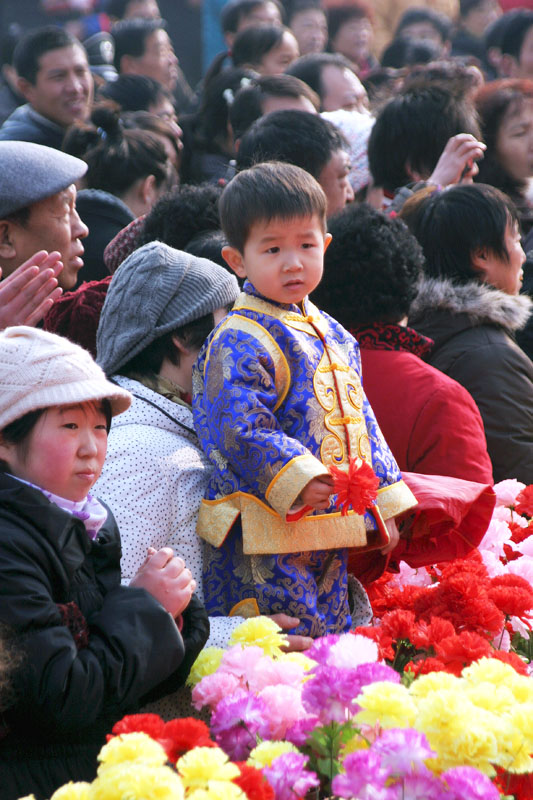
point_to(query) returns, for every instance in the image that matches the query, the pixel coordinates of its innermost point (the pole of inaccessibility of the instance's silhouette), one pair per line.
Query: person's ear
(479, 259)
(327, 241)
(508, 66)
(128, 65)
(234, 260)
(5, 451)
(179, 345)
(26, 88)
(148, 190)
(414, 175)
(7, 244)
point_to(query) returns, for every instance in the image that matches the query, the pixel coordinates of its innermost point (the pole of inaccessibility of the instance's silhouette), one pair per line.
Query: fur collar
(481, 303)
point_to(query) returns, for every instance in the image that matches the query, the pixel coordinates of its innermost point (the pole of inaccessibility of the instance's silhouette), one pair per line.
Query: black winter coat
(27, 125)
(68, 690)
(472, 326)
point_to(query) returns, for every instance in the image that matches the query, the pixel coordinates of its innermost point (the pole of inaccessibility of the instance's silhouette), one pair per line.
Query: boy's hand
(294, 643)
(30, 291)
(167, 579)
(317, 492)
(394, 534)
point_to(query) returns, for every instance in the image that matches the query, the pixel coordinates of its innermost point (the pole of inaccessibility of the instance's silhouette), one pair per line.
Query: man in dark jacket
(54, 77)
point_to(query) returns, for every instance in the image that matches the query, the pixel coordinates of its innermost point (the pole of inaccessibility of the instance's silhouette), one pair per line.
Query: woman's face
(506, 275)
(354, 39)
(276, 61)
(514, 143)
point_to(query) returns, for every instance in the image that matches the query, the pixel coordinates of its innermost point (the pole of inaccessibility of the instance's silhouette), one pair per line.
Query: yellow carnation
(218, 790)
(299, 658)
(497, 699)
(131, 747)
(207, 662)
(387, 703)
(261, 632)
(433, 682)
(352, 745)
(264, 754)
(490, 670)
(72, 791)
(136, 781)
(522, 688)
(204, 764)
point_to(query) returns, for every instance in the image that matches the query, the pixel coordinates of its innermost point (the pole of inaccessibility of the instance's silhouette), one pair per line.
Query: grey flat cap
(30, 172)
(157, 289)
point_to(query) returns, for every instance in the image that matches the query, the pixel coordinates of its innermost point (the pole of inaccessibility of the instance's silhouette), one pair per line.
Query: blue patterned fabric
(251, 438)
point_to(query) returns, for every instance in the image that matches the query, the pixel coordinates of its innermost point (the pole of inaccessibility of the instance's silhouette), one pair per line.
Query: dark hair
(515, 32)
(494, 101)
(134, 92)
(8, 42)
(372, 268)
(406, 52)
(492, 38)
(19, 217)
(209, 244)
(451, 225)
(117, 8)
(413, 129)
(266, 192)
(18, 432)
(294, 137)
(309, 68)
(253, 43)
(340, 15)
(412, 16)
(150, 360)
(298, 6)
(151, 123)
(116, 157)
(381, 83)
(247, 106)
(466, 6)
(130, 36)
(182, 214)
(450, 75)
(233, 12)
(27, 54)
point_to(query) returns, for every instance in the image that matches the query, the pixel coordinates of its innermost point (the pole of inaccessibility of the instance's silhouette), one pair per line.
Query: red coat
(429, 421)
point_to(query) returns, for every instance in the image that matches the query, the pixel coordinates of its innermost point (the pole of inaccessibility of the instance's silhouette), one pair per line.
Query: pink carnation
(497, 534)
(284, 708)
(241, 661)
(268, 672)
(213, 688)
(506, 491)
(352, 650)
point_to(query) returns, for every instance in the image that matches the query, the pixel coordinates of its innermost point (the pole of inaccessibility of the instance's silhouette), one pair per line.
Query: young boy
(278, 400)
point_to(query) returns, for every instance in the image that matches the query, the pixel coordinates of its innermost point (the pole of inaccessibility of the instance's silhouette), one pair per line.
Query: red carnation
(524, 501)
(425, 635)
(151, 724)
(459, 651)
(253, 783)
(518, 786)
(181, 735)
(357, 488)
(512, 659)
(512, 594)
(518, 533)
(425, 666)
(399, 624)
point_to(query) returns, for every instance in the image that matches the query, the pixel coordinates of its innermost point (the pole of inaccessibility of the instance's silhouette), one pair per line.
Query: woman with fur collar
(469, 304)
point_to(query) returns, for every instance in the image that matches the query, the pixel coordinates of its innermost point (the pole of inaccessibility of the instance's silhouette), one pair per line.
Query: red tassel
(357, 488)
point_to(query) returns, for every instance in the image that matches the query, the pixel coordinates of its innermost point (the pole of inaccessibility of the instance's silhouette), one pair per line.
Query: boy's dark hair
(372, 268)
(412, 130)
(233, 12)
(515, 32)
(116, 156)
(27, 53)
(150, 360)
(309, 68)
(294, 137)
(182, 214)
(253, 43)
(130, 37)
(247, 105)
(266, 192)
(134, 92)
(412, 16)
(407, 52)
(451, 225)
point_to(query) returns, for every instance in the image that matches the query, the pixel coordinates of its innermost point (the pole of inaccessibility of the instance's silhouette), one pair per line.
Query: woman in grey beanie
(160, 307)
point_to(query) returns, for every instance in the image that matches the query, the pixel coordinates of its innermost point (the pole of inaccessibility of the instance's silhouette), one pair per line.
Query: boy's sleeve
(245, 379)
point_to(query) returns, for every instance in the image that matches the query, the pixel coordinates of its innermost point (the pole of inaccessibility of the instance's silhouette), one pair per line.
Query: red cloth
(430, 422)
(450, 520)
(76, 314)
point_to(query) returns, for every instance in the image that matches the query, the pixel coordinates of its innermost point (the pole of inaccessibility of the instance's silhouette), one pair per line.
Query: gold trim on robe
(285, 487)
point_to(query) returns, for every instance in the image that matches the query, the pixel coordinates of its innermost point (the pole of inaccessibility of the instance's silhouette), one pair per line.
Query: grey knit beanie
(40, 369)
(156, 290)
(31, 172)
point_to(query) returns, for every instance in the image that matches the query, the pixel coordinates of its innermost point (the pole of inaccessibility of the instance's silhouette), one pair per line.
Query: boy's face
(283, 258)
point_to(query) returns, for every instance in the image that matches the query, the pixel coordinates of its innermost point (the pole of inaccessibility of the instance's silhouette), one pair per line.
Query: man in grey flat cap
(40, 230)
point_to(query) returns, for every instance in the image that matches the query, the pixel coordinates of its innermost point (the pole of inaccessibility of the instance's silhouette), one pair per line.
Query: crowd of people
(219, 302)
